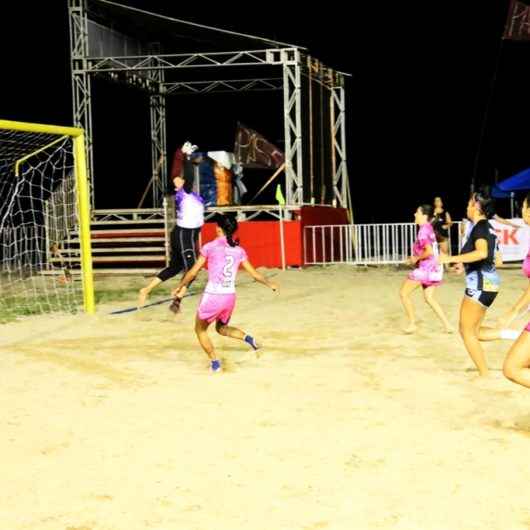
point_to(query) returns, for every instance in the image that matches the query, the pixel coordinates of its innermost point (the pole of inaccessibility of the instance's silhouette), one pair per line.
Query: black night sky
(420, 86)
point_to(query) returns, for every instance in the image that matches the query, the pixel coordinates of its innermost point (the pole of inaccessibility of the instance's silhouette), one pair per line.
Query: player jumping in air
(184, 237)
(224, 256)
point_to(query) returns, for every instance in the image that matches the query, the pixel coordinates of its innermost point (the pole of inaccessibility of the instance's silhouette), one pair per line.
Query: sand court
(344, 422)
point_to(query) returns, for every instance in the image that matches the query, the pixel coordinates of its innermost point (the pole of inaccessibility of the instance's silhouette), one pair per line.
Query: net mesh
(39, 250)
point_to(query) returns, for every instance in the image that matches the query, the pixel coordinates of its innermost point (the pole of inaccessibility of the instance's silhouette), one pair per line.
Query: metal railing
(328, 244)
(128, 216)
(362, 244)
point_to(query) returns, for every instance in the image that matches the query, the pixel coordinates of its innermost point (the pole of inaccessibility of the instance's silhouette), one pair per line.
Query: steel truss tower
(148, 70)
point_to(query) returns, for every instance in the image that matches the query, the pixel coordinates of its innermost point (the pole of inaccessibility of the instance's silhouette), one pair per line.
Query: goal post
(44, 220)
(83, 199)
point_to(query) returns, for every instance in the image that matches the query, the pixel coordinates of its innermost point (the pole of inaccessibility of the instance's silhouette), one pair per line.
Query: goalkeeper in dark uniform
(185, 235)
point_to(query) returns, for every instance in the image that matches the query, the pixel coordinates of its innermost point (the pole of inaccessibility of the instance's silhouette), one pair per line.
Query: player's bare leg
(517, 363)
(236, 333)
(428, 294)
(406, 290)
(201, 330)
(519, 310)
(144, 292)
(471, 316)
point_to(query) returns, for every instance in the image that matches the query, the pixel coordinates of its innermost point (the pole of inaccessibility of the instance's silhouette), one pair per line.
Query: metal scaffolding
(81, 85)
(148, 69)
(340, 173)
(157, 108)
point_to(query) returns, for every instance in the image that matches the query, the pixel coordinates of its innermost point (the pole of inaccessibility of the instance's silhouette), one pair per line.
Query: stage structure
(164, 56)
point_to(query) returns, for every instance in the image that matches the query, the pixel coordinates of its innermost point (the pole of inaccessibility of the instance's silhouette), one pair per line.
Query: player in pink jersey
(224, 256)
(521, 306)
(427, 273)
(517, 362)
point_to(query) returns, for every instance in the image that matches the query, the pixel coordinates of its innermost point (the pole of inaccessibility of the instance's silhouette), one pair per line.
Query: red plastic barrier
(261, 239)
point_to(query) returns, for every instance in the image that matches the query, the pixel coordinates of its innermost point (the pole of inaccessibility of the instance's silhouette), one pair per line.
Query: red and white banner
(513, 242)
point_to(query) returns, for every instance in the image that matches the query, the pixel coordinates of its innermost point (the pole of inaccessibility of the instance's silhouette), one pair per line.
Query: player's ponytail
(228, 225)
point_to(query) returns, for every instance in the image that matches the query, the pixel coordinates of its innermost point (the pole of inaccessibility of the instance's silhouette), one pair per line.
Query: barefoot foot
(411, 328)
(142, 297)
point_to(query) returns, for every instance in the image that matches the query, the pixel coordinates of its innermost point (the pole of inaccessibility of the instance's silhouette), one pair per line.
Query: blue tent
(499, 194)
(519, 182)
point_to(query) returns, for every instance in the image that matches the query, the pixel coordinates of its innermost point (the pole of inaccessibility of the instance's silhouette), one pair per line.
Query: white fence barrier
(363, 244)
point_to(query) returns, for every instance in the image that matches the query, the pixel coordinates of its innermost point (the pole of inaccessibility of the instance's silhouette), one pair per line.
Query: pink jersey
(428, 271)
(223, 264)
(526, 265)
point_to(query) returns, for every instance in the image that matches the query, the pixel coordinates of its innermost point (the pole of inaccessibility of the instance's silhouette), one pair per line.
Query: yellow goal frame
(83, 201)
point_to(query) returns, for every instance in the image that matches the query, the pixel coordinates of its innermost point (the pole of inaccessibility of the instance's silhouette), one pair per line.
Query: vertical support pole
(157, 109)
(83, 199)
(299, 193)
(166, 229)
(81, 83)
(292, 110)
(311, 156)
(340, 177)
(282, 239)
(321, 126)
(334, 175)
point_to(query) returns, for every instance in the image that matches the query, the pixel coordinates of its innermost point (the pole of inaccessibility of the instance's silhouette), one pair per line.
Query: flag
(279, 196)
(518, 23)
(254, 151)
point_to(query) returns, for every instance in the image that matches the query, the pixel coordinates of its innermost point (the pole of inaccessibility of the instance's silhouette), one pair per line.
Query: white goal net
(39, 242)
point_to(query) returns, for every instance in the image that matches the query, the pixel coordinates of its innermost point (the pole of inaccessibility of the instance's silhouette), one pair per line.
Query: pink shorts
(216, 307)
(426, 278)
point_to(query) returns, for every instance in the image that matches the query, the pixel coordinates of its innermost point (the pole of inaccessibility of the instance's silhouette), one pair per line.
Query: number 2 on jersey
(228, 271)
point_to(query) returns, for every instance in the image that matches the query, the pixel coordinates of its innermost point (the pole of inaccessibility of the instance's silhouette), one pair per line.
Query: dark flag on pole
(253, 150)
(518, 23)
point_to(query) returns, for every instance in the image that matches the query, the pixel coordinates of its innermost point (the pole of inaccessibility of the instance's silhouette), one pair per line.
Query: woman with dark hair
(224, 256)
(428, 272)
(185, 234)
(477, 258)
(441, 223)
(517, 363)
(466, 226)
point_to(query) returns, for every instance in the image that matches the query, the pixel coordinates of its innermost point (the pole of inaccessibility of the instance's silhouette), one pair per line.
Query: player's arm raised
(259, 277)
